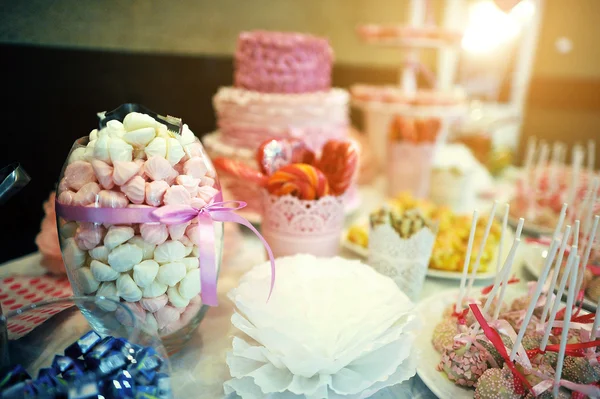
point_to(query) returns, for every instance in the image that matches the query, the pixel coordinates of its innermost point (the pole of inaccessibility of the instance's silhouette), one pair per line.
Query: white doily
(403, 260)
(290, 215)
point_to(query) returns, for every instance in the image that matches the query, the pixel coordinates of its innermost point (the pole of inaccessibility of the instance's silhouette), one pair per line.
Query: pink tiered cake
(282, 89)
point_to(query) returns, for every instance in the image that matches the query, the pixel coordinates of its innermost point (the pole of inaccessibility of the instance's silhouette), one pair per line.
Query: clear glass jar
(36, 351)
(152, 266)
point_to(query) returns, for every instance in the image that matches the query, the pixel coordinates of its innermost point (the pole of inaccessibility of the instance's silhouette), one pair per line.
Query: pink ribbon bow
(177, 214)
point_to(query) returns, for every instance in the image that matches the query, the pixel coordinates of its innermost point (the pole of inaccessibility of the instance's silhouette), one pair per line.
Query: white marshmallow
(94, 135)
(73, 255)
(119, 150)
(188, 247)
(100, 253)
(169, 251)
(144, 273)
(162, 131)
(68, 230)
(101, 147)
(195, 251)
(177, 300)
(137, 120)
(174, 151)
(187, 136)
(139, 138)
(128, 289)
(84, 280)
(191, 263)
(147, 248)
(109, 291)
(117, 235)
(103, 272)
(156, 148)
(171, 273)
(115, 129)
(124, 257)
(155, 289)
(189, 287)
(78, 154)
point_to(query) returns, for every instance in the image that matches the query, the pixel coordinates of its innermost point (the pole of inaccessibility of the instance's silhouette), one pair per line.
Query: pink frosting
(279, 62)
(247, 118)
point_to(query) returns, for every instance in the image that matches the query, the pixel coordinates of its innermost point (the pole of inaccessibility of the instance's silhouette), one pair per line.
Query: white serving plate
(533, 259)
(431, 310)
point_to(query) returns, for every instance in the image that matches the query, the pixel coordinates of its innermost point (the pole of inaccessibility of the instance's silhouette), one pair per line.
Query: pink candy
(66, 197)
(89, 235)
(207, 193)
(155, 192)
(177, 195)
(86, 194)
(104, 173)
(166, 315)
(135, 190)
(112, 199)
(176, 231)
(190, 183)
(154, 304)
(154, 233)
(195, 167)
(124, 171)
(158, 168)
(78, 174)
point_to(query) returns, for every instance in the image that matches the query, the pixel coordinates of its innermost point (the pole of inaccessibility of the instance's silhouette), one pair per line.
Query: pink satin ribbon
(587, 389)
(176, 214)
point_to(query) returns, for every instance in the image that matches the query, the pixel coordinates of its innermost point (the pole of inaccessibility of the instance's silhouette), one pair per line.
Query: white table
(200, 369)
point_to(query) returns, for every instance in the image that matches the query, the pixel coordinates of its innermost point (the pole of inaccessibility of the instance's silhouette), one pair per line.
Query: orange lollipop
(299, 180)
(239, 170)
(339, 161)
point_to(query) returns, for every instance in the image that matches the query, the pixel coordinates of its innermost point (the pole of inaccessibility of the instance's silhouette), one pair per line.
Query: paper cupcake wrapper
(19, 291)
(403, 260)
(409, 168)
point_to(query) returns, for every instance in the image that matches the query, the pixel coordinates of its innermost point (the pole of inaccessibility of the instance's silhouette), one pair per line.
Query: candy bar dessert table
(199, 369)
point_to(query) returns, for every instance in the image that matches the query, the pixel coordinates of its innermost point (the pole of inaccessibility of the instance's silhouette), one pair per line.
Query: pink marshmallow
(191, 184)
(63, 185)
(194, 150)
(154, 233)
(166, 315)
(66, 197)
(135, 190)
(141, 163)
(158, 168)
(78, 174)
(207, 193)
(185, 241)
(193, 233)
(154, 304)
(89, 235)
(195, 167)
(112, 199)
(191, 310)
(179, 167)
(104, 173)
(124, 171)
(207, 181)
(155, 192)
(87, 194)
(176, 231)
(177, 195)
(198, 203)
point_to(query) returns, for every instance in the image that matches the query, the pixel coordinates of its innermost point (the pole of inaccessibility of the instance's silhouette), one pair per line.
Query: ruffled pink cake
(282, 89)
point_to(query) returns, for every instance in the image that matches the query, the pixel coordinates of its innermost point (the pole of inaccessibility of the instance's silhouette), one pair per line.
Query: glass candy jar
(127, 168)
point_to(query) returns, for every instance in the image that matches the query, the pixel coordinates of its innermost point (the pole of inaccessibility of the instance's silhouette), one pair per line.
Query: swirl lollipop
(299, 180)
(339, 162)
(239, 170)
(274, 154)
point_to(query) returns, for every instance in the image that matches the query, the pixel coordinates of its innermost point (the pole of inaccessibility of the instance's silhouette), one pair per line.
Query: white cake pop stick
(509, 262)
(588, 251)
(535, 296)
(501, 244)
(589, 208)
(591, 156)
(529, 155)
(575, 169)
(559, 294)
(558, 265)
(481, 247)
(554, 165)
(463, 279)
(575, 240)
(565, 329)
(596, 325)
(561, 220)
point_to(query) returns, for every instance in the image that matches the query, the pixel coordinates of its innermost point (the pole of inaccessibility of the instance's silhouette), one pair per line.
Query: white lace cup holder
(291, 225)
(403, 260)
(451, 186)
(409, 168)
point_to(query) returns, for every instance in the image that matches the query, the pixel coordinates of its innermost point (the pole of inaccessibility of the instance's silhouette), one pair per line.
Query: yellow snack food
(450, 246)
